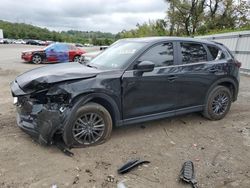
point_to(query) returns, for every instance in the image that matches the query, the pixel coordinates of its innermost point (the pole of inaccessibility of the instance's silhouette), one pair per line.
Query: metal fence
(238, 43)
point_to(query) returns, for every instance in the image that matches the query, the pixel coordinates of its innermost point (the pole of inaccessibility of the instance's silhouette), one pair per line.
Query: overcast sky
(96, 15)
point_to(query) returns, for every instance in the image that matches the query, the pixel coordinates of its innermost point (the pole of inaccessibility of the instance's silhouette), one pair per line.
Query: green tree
(191, 17)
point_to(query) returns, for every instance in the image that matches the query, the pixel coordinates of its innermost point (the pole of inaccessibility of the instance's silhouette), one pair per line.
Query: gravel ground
(220, 150)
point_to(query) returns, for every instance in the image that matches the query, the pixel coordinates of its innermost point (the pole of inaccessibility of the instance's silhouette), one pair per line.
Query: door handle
(172, 78)
(212, 70)
(130, 84)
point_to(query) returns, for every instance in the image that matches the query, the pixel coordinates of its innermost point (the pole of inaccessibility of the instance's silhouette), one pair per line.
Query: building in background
(238, 43)
(1, 36)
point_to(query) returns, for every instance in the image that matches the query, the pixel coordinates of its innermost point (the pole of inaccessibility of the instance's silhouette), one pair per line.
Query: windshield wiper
(88, 65)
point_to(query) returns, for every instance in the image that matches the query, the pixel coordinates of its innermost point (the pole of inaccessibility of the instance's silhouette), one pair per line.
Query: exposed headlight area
(15, 100)
(59, 98)
(42, 97)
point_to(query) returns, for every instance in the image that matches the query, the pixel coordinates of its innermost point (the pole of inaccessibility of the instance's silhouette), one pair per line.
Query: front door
(152, 92)
(57, 53)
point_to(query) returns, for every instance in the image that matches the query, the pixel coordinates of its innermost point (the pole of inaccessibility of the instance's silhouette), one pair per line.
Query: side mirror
(145, 66)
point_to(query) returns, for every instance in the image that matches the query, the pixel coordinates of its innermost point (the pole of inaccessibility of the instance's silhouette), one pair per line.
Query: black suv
(132, 81)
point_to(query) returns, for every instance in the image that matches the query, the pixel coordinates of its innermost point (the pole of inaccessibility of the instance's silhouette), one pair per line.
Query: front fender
(83, 99)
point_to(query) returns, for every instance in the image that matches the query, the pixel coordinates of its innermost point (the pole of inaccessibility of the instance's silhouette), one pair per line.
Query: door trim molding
(161, 115)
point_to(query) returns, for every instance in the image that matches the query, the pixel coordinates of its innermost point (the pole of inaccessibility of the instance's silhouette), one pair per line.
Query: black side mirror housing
(145, 66)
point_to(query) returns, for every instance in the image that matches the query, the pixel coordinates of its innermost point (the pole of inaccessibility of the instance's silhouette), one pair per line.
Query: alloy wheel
(77, 59)
(36, 59)
(88, 128)
(220, 103)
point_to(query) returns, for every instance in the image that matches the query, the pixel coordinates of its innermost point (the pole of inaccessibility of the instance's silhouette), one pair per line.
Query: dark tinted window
(161, 55)
(216, 53)
(193, 53)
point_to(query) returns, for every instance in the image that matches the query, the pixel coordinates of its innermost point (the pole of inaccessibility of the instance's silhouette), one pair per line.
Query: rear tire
(76, 58)
(90, 125)
(218, 103)
(37, 59)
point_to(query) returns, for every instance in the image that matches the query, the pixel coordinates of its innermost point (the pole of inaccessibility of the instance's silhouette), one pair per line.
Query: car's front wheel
(37, 59)
(218, 103)
(91, 125)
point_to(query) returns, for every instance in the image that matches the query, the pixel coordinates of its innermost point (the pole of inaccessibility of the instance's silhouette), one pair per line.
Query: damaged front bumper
(38, 122)
(41, 121)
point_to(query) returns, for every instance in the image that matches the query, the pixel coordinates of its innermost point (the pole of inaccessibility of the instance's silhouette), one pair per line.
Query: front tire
(90, 125)
(37, 59)
(218, 103)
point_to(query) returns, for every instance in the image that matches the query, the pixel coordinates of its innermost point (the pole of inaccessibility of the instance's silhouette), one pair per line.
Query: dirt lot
(220, 149)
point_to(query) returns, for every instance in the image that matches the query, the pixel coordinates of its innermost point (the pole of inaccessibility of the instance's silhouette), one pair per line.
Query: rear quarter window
(216, 53)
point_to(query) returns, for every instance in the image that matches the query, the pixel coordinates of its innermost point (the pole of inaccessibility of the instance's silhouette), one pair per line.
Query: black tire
(218, 103)
(76, 58)
(37, 59)
(76, 127)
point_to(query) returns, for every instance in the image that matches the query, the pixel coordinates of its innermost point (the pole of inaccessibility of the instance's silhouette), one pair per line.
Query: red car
(54, 53)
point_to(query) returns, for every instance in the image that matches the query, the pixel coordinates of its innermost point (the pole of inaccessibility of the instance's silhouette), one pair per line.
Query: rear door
(198, 69)
(50, 53)
(62, 53)
(72, 52)
(152, 92)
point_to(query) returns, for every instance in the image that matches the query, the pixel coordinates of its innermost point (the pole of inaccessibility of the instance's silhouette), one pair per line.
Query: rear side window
(161, 55)
(193, 53)
(216, 53)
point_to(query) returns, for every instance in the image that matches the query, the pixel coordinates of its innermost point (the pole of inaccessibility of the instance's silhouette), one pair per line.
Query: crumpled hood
(53, 74)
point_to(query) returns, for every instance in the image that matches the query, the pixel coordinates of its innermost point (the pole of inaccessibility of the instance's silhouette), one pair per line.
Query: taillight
(238, 64)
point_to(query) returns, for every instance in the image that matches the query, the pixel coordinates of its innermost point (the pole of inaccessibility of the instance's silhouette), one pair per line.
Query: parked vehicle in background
(103, 47)
(85, 58)
(88, 45)
(54, 53)
(133, 81)
(91, 55)
(32, 42)
(8, 41)
(19, 41)
(42, 43)
(48, 42)
(79, 45)
(36, 42)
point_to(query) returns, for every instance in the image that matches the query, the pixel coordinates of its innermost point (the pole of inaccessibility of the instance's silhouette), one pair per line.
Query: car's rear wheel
(91, 125)
(37, 59)
(218, 103)
(76, 58)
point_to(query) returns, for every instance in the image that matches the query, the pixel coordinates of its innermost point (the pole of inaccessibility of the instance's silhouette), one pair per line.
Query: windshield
(49, 46)
(116, 56)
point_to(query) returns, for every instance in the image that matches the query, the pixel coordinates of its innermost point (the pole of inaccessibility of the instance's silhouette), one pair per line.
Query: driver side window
(161, 55)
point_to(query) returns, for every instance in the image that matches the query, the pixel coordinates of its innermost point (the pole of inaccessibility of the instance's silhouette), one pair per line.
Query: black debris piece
(187, 174)
(130, 165)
